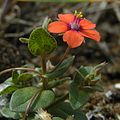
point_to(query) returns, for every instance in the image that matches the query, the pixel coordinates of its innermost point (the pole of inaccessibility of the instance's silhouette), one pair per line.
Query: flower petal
(86, 24)
(57, 27)
(93, 34)
(67, 18)
(73, 38)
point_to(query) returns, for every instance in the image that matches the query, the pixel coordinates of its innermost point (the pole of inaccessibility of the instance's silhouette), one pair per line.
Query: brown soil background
(18, 19)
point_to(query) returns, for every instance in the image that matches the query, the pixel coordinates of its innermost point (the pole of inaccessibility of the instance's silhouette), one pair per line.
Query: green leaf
(78, 97)
(45, 99)
(64, 110)
(6, 112)
(98, 88)
(9, 81)
(86, 70)
(25, 77)
(79, 78)
(57, 82)
(21, 97)
(24, 40)
(79, 115)
(15, 77)
(61, 69)
(87, 74)
(8, 90)
(41, 42)
(57, 118)
(81, 74)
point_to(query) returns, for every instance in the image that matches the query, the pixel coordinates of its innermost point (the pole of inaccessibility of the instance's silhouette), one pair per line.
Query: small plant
(34, 92)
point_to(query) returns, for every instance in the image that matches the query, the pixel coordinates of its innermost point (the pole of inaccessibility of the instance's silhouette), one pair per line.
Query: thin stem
(19, 68)
(43, 65)
(59, 100)
(32, 100)
(63, 57)
(65, 54)
(10, 69)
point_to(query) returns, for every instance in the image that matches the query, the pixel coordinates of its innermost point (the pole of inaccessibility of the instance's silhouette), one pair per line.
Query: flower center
(77, 18)
(74, 26)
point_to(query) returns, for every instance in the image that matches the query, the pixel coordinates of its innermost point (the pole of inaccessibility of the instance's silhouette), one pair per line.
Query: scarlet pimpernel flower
(74, 28)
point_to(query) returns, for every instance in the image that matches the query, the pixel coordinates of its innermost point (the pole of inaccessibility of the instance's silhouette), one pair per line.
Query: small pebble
(117, 85)
(113, 96)
(108, 94)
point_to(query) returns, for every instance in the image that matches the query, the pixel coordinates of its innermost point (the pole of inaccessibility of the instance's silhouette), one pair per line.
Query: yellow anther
(81, 15)
(75, 13)
(78, 15)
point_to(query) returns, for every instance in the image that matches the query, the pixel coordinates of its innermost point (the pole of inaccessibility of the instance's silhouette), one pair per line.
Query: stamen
(78, 20)
(75, 23)
(78, 15)
(75, 13)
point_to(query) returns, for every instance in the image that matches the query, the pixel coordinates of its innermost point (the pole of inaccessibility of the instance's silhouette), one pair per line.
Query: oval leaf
(41, 42)
(21, 98)
(8, 90)
(45, 99)
(78, 97)
(6, 112)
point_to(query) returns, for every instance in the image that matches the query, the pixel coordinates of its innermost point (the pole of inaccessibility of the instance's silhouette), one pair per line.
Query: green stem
(43, 65)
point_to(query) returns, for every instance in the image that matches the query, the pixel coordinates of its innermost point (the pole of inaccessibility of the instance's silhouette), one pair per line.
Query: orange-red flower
(74, 29)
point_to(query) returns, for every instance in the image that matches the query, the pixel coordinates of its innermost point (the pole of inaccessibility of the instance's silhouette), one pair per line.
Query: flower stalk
(63, 57)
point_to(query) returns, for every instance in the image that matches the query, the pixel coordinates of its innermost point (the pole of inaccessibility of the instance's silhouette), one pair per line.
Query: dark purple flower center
(75, 25)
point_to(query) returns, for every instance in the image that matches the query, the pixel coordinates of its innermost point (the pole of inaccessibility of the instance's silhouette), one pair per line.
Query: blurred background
(19, 18)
